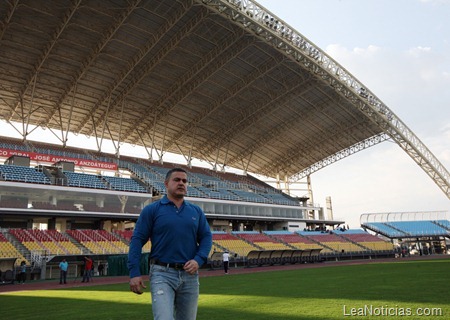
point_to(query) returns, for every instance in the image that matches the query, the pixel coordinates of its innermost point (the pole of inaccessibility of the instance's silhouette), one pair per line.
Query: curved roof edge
(268, 27)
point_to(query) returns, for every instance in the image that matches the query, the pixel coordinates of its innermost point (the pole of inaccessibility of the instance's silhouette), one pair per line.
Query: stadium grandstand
(226, 83)
(416, 232)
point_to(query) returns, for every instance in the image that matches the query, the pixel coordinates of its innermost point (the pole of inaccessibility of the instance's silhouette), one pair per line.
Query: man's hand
(136, 285)
(191, 266)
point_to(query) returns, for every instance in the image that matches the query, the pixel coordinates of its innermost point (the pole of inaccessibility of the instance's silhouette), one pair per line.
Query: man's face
(176, 185)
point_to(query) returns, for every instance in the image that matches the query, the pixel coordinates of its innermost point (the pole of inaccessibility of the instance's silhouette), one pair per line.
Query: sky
(400, 50)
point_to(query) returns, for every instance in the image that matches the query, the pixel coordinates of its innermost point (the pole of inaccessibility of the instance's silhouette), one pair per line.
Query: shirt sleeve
(139, 238)
(204, 240)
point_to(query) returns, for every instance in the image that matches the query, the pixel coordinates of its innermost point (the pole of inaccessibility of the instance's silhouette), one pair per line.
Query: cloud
(414, 84)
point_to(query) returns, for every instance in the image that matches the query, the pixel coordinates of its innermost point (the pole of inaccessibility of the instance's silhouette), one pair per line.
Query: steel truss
(287, 40)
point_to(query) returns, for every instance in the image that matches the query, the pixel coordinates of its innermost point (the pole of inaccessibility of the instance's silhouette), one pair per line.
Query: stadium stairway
(266, 242)
(445, 224)
(26, 254)
(343, 237)
(385, 230)
(247, 241)
(234, 244)
(398, 229)
(82, 248)
(317, 242)
(281, 241)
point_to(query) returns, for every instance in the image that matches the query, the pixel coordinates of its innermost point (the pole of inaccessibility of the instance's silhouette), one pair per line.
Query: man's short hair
(169, 173)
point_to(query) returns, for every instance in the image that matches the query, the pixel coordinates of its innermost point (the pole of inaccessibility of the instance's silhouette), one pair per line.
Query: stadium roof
(226, 82)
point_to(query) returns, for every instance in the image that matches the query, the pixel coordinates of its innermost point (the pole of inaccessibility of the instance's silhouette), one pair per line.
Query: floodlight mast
(265, 25)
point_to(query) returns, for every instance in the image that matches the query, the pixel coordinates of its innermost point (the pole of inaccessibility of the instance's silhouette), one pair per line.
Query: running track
(71, 283)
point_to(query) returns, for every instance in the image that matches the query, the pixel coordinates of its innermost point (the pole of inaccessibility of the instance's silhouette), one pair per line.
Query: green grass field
(333, 292)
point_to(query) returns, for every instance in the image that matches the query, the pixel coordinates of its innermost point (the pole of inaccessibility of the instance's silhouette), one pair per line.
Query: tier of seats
(233, 244)
(240, 243)
(208, 184)
(84, 180)
(419, 228)
(244, 242)
(204, 183)
(63, 241)
(127, 234)
(22, 174)
(97, 243)
(443, 223)
(384, 229)
(12, 144)
(294, 240)
(262, 240)
(43, 241)
(332, 241)
(365, 239)
(406, 229)
(7, 250)
(124, 184)
(52, 242)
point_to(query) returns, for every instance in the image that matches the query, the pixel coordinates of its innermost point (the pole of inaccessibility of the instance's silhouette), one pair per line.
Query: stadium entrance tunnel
(7, 270)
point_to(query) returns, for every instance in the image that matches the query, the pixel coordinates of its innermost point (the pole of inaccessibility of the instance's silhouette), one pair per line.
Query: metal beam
(107, 37)
(212, 62)
(284, 38)
(148, 122)
(360, 146)
(30, 82)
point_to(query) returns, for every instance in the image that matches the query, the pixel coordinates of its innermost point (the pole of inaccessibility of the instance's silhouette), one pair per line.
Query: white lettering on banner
(41, 157)
(53, 159)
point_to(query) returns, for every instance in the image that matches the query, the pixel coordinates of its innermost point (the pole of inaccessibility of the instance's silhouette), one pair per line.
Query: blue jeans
(62, 276)
(174, 293)
(87, 275)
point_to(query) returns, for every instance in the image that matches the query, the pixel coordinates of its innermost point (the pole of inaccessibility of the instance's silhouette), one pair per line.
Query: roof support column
(25, 126)
(194, 134)
(65, 136)
(120, 130)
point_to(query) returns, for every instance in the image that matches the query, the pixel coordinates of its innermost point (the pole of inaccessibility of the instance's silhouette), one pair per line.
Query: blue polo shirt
(177, 234)
(64, 265)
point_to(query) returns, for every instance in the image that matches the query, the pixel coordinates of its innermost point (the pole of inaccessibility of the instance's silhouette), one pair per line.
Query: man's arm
(139, 238)
(205, 241)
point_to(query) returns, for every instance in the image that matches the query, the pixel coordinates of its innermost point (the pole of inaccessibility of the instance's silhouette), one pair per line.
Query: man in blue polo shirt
(181, 241)
(63, 266)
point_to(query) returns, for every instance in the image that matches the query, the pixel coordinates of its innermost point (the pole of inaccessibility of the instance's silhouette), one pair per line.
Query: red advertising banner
(47, 158)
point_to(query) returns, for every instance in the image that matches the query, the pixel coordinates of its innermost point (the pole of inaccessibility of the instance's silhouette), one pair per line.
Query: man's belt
(176, 266)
